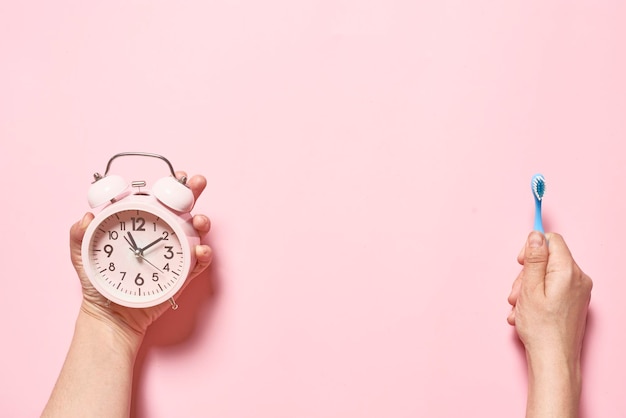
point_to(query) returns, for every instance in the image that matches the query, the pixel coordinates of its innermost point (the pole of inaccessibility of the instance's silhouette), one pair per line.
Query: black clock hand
(151, 244)
(132, 246)
(132, 241)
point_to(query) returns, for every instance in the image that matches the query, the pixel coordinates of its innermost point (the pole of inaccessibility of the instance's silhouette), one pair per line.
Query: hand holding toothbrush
(550, 299)
(549, 302)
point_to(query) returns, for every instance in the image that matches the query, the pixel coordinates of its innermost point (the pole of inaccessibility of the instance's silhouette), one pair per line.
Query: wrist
(554, 385)
(109, 327)
(554, 362)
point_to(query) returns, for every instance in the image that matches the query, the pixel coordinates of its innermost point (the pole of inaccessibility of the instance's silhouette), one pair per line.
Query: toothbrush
(538, 186)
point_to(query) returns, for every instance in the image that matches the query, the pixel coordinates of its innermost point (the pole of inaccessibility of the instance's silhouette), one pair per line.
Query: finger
(202, 224)
(511, 318)
(77, 231)
(515, 289)
(535, 260)
(560, 256)
(520, 256)
(561, 260)
(197, 184)
(588, 283)
(558, 247)
(204, 256)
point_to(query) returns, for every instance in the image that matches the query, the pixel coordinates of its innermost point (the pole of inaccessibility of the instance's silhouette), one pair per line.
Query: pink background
(369, 166)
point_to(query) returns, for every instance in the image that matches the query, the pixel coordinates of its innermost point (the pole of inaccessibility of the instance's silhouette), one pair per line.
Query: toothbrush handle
(538, 222)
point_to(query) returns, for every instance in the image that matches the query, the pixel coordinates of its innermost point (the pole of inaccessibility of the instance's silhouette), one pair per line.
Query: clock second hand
(149, 262)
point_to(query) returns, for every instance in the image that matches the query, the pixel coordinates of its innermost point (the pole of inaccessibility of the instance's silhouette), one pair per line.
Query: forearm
(96, 378)
(554, 386)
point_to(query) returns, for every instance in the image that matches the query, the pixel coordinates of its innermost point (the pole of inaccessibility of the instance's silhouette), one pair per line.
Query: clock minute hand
(150, 245)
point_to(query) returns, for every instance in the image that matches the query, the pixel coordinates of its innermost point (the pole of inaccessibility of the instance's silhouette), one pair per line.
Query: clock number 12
(138, 224)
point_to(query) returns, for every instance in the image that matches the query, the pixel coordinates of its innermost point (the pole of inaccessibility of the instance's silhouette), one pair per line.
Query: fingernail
(535, 240)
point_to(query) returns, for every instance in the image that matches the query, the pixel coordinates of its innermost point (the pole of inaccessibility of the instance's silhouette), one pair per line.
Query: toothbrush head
(538, 185)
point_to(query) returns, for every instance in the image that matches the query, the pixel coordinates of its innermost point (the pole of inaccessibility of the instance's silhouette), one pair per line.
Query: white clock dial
(136, 255)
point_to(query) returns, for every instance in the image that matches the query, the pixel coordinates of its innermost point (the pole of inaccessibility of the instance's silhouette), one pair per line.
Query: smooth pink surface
(369, 166)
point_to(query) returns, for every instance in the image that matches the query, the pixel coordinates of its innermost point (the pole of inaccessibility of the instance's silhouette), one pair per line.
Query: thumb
(77, 231)
(535, 259)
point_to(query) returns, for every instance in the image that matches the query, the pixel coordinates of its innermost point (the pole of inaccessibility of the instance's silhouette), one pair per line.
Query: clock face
(136, 256)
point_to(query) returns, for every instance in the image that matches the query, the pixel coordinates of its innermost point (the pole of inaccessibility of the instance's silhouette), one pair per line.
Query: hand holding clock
(96, 378)
(133, 321)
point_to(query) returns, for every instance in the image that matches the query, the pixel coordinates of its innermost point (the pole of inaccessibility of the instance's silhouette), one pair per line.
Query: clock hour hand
(132, 247)
(132, 241)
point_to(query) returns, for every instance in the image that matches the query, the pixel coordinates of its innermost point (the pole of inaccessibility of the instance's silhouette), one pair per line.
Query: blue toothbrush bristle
(539, 186)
